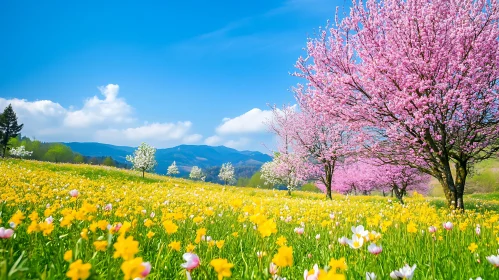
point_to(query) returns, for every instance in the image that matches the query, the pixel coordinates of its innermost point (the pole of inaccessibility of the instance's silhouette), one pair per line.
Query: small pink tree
(400, 180)
(366, 175)
(317, 144)
(419, 77)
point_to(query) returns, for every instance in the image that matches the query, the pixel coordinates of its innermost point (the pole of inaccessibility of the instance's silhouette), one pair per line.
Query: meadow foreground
(85, 222)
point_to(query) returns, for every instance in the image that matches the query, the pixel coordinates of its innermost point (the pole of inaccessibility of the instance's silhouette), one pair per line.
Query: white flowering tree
(277, 172)
(196, 174)
(227, 173)
(20, 152)
(172, 169)
(143, 158)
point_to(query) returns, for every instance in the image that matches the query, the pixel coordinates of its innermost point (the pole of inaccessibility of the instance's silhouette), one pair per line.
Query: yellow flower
(150, 234)
(174, 245)
(79, 270)
(126, 248)
(125, 228)
(84, 234)
(267, 228)
(190, 248)
(199, 233)
(102, 224)
(473, 247)
(236, 234)
(338, 264)
(148, 223)
(411, 228)
(220, 243)
(100, 245)
(222, 267)
(46, 228)
(93, 227)
(132, 268)
(284, 257)
(170, 227)
(17, 218)
(281, 241)
(197, 220)
(68, 256)
(211, 243)
(33, 216)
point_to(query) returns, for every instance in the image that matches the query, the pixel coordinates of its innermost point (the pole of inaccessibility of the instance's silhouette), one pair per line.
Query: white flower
(493, 260)
(359, 231)
(318, 236)
(356, 242)
(370, 276)
(405, 272)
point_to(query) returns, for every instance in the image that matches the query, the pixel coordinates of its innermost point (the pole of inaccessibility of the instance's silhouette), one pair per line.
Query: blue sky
(164, 72)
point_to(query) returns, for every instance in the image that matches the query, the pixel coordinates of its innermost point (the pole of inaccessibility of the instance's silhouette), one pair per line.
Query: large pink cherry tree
(420, 76)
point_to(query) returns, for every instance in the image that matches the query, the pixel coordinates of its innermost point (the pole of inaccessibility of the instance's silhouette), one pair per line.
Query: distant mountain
(186, 156)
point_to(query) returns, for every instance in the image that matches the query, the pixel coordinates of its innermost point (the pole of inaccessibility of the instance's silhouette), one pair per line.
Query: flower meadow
(62, 221)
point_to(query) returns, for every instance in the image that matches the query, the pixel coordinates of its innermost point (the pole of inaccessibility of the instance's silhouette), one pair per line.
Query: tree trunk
(461, 174)
(329, 169)
(143, 173)
(448, 185)
(384, 194)
(289, 191)
(4, 151)
(398, 193)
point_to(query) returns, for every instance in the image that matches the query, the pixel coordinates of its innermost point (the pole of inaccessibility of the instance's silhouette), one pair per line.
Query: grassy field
(88, 222)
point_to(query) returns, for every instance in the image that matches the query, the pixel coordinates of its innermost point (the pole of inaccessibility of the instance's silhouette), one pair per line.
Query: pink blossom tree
(316, 142)
(419, 77)
(366, 175)
(399, 180)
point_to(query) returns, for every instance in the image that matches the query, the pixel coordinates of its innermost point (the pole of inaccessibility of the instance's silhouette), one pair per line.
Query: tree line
(13, 144)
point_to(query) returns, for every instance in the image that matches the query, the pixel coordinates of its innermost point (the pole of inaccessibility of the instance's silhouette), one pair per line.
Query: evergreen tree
(9, 128)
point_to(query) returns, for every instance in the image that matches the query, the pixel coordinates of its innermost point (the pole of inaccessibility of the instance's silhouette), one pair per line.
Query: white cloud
(156, 134)
(252, 121)
(213, 140)
(240, 143)
(95, 111)
(108, 120)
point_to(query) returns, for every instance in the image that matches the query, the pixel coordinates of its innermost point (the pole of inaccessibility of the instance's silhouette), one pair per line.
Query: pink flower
(49, 220)
(314, 276)
(273, 269)
(477, 230)
(152, 215)
(299, 230)
(117, 227)
(74, 193)
(432, 229)
(108, 207)
(343, 240)
(147, 269)
(6, 233)
(448, 225)
(374, 249)
(191, 261)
